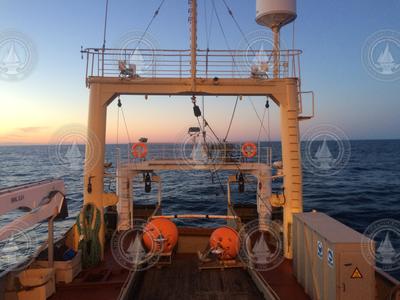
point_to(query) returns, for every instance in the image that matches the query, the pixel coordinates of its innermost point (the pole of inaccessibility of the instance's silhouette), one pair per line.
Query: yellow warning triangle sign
(356, 274)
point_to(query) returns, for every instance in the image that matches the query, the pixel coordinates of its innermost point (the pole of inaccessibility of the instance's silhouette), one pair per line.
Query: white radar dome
(275, 13)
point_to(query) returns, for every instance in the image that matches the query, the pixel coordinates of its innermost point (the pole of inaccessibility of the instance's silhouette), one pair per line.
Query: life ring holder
(249, 153)
(139, 150)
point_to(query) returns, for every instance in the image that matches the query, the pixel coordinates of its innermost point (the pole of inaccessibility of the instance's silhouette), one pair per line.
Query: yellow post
(291, 159)
(95, 152)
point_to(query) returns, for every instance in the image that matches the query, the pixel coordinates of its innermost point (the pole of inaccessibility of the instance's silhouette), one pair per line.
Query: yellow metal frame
(284, 92)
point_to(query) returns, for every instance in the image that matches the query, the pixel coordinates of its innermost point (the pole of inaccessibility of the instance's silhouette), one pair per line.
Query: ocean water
(366, 189)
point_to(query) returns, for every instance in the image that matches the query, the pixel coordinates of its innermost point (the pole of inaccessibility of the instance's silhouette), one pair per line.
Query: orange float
(249, 150)
(160, 235)
(139, 150)
(225, 242)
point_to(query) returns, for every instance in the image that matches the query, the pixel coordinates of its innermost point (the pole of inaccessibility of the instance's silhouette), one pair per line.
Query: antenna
(193, 30)
(275, 14)
(105, 25)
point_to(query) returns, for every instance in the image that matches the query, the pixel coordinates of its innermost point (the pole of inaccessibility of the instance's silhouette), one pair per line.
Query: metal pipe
(275, 30)
(50, 249)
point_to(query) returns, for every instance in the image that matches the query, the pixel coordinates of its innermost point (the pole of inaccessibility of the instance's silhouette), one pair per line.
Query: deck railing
(212, 154)
(157, 63)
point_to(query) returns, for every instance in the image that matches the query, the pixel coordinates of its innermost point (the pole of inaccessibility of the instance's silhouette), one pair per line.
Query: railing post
(180, 64)
(102, 63)
(92, 65)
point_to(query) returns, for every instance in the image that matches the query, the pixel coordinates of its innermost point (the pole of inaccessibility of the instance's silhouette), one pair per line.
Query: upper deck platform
(139, 64)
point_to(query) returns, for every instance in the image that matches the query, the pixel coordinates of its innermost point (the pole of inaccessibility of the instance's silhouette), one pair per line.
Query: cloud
(21, 135)
(31, 129)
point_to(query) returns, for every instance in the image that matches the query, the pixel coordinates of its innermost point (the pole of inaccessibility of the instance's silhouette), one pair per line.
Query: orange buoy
(160, 235)
(249, 150)
(139, 150)
(224, 241)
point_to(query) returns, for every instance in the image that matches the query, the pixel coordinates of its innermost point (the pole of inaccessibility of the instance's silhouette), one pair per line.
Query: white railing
(157, 63)
(212, 154)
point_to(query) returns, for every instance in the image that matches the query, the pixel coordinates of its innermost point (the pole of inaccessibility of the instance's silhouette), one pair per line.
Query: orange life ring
(249, 150)
(139, 150)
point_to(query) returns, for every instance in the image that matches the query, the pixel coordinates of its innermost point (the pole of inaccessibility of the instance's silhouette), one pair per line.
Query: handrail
(159, 63)
(44, 198)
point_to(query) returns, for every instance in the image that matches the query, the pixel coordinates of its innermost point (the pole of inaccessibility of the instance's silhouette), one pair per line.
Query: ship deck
(104, 281)
(183, 280)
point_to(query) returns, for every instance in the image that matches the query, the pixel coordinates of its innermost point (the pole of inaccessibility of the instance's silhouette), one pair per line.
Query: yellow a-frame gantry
(284, 92)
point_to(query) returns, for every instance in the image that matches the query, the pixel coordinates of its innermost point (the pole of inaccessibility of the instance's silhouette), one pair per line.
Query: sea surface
(364, 190)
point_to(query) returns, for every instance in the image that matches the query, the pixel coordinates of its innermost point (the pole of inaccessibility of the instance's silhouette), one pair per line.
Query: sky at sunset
(331, 34)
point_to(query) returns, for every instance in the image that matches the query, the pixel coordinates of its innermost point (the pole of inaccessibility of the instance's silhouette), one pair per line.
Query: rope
(149, 24)
(223, 32)
(238, 25)
(258, 116)
(118, 124)
(88, 224)
(126, 129)
(242, 32)
(105, 25)
(262, 125)
(208, 28)
(233, 115)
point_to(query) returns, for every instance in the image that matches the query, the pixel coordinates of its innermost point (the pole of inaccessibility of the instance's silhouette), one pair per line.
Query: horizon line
(171, 143)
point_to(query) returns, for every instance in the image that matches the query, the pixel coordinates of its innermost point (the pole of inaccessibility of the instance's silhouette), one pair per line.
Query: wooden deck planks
(183, 280)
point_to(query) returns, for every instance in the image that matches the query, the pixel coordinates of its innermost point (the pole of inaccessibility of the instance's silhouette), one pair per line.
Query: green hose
(88, 223)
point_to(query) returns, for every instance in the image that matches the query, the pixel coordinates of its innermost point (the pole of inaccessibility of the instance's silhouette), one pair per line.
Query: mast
(276, 32)
(193, 47)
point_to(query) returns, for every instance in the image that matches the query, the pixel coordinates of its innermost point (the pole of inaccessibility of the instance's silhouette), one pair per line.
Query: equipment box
(328, 260)
(66, 271)
(37, 284)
